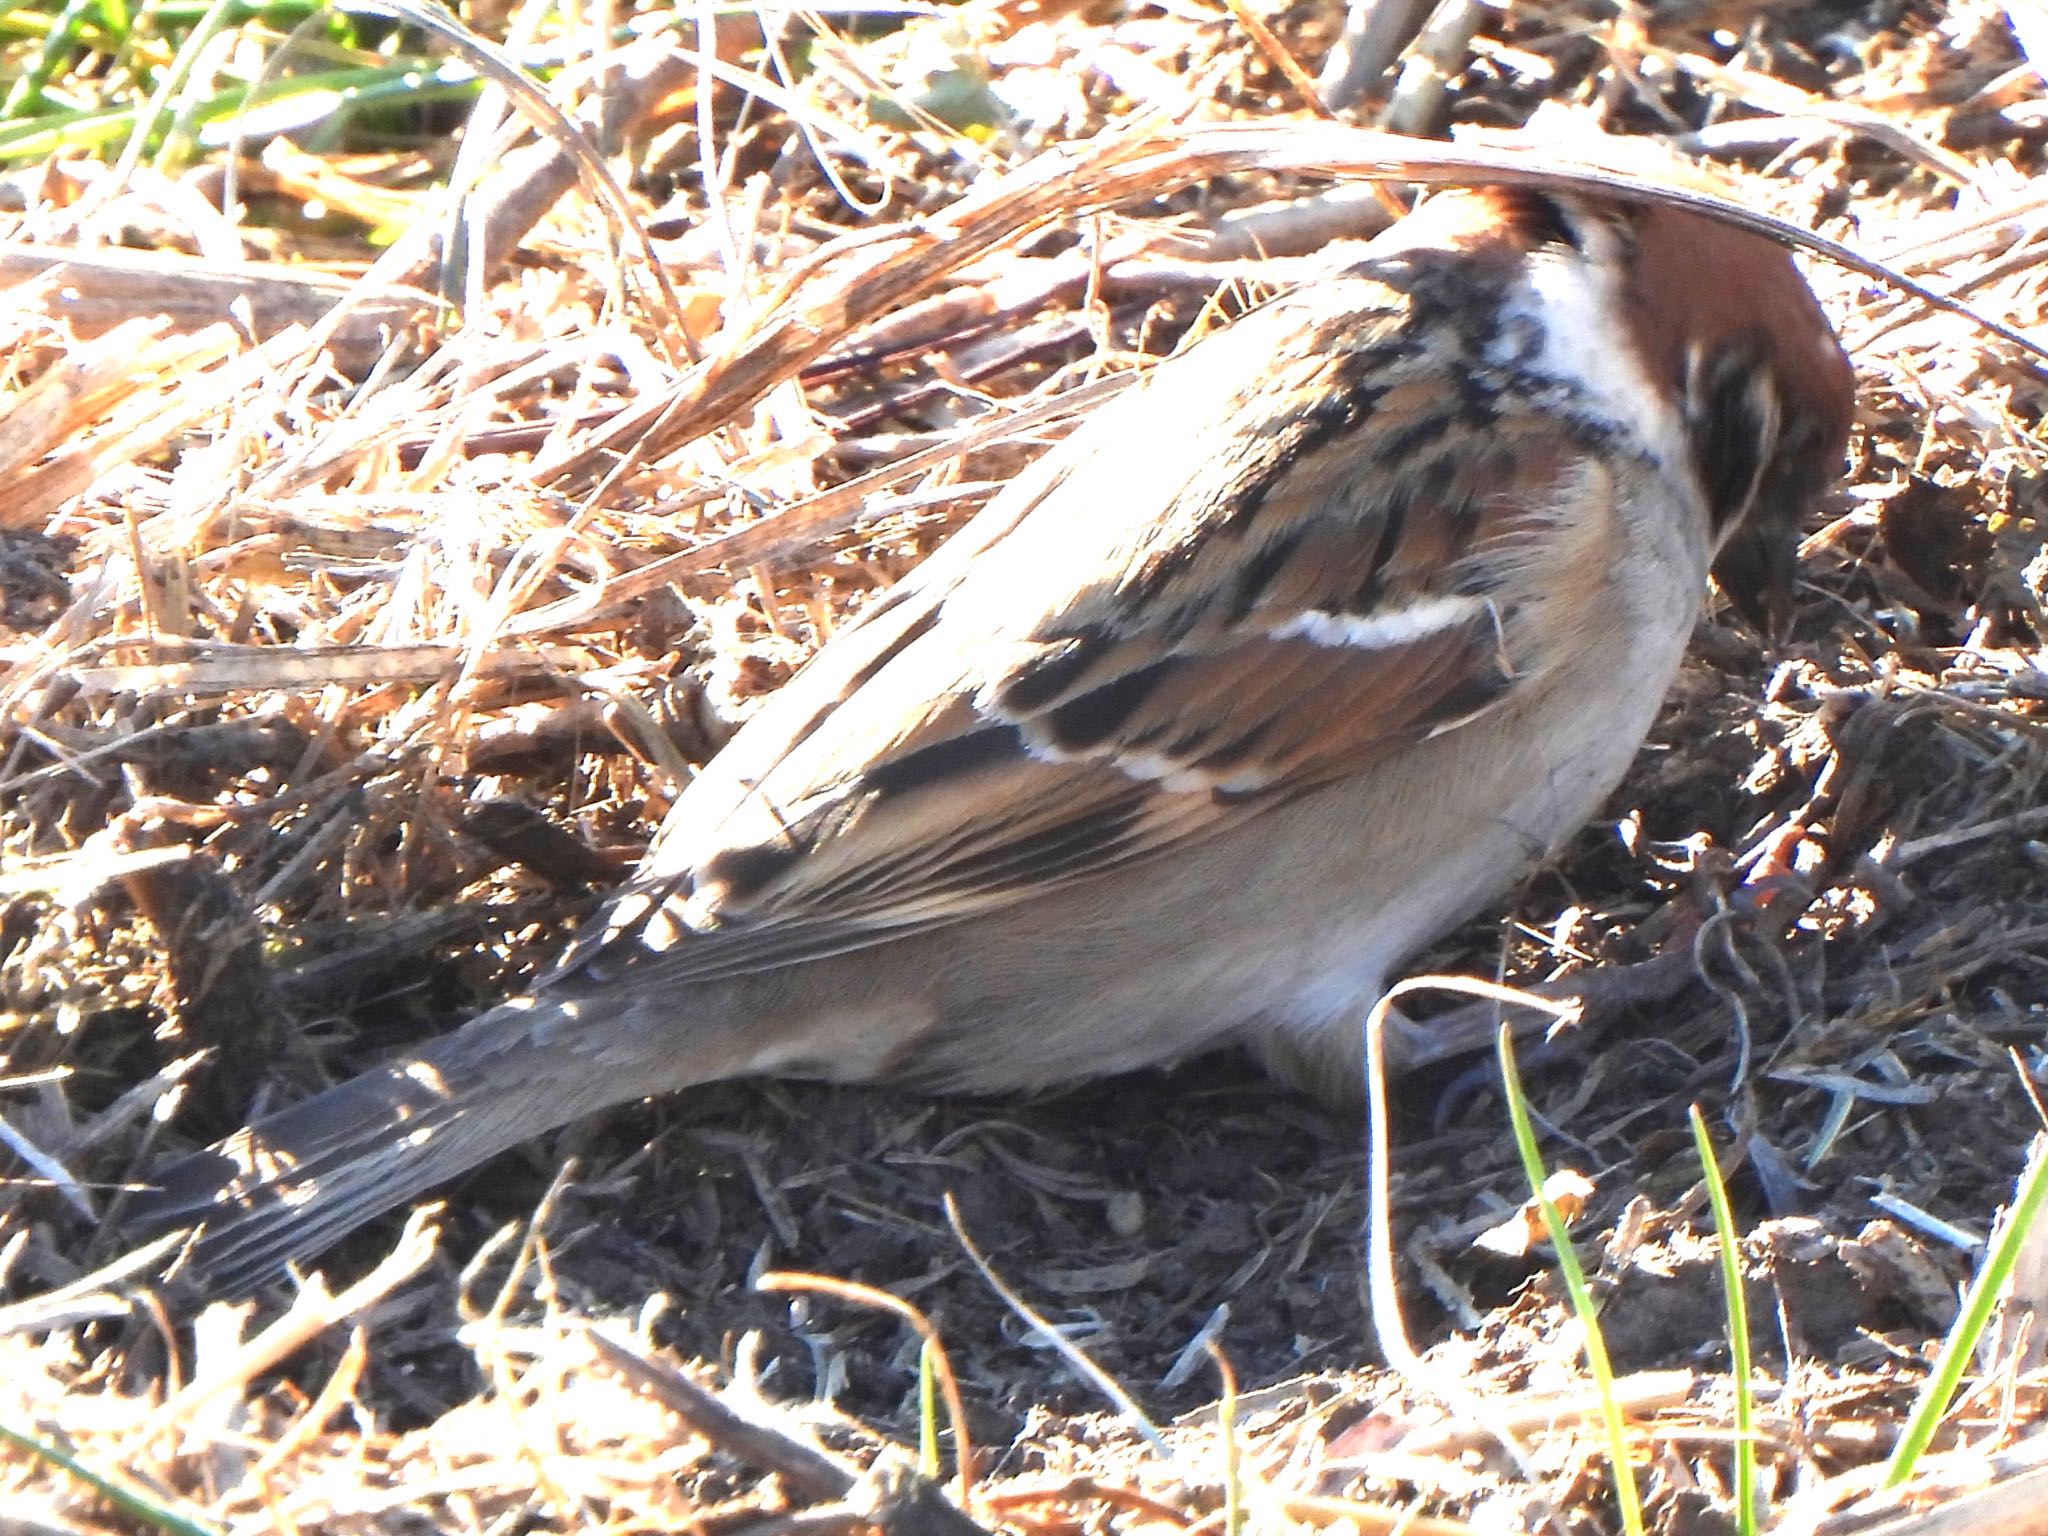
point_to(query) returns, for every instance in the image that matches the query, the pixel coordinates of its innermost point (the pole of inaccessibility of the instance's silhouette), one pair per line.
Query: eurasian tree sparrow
(1289, 660)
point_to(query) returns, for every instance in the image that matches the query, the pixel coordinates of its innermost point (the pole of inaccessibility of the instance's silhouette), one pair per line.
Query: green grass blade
(55, 133)
(124, 1496)
(927, 1413)
(1738, 1328)
(26, 95)
(1625, 1494)
(184, 98)
(2000, 1256)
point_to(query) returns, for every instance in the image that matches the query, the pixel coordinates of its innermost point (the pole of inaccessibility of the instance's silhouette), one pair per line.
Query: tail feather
(298, 1181)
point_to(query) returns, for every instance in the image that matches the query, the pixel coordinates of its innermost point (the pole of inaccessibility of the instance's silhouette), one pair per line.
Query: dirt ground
(245, 884)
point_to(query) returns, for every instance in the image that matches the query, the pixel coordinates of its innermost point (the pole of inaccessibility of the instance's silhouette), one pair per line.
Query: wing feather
(1144, 661)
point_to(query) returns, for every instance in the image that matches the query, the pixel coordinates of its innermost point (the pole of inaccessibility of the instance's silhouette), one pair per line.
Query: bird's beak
(1756, 570)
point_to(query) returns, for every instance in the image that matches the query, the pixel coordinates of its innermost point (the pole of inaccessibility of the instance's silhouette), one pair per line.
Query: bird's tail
(298, 1181)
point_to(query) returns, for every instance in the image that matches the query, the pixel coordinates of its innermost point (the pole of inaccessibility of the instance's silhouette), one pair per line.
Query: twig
(1075, 1358)
(103, 1293)
(805, 1468)
(891, 1497)
(1277, 55)
(1375, 32)
(314, 1310)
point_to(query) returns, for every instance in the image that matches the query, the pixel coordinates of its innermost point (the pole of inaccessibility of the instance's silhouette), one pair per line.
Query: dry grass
(351, 640)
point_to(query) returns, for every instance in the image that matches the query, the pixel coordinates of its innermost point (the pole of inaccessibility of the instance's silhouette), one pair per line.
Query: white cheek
(1572, 300)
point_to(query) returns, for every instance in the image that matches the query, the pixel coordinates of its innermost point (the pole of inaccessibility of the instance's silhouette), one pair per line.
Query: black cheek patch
(1539, 218)
(1731, 429)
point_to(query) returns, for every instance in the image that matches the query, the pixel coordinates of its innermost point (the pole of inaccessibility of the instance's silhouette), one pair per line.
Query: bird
(1293, 656)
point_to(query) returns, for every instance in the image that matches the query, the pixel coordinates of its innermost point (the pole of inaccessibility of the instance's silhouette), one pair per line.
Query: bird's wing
(1292, 550)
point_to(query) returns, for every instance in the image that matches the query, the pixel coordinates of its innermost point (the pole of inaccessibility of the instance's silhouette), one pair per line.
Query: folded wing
(1314, 569)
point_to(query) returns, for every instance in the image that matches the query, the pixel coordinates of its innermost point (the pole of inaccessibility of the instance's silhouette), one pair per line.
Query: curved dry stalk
(861, 277)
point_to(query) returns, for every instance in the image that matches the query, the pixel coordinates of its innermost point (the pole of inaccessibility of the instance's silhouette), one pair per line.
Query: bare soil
(225, 887)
